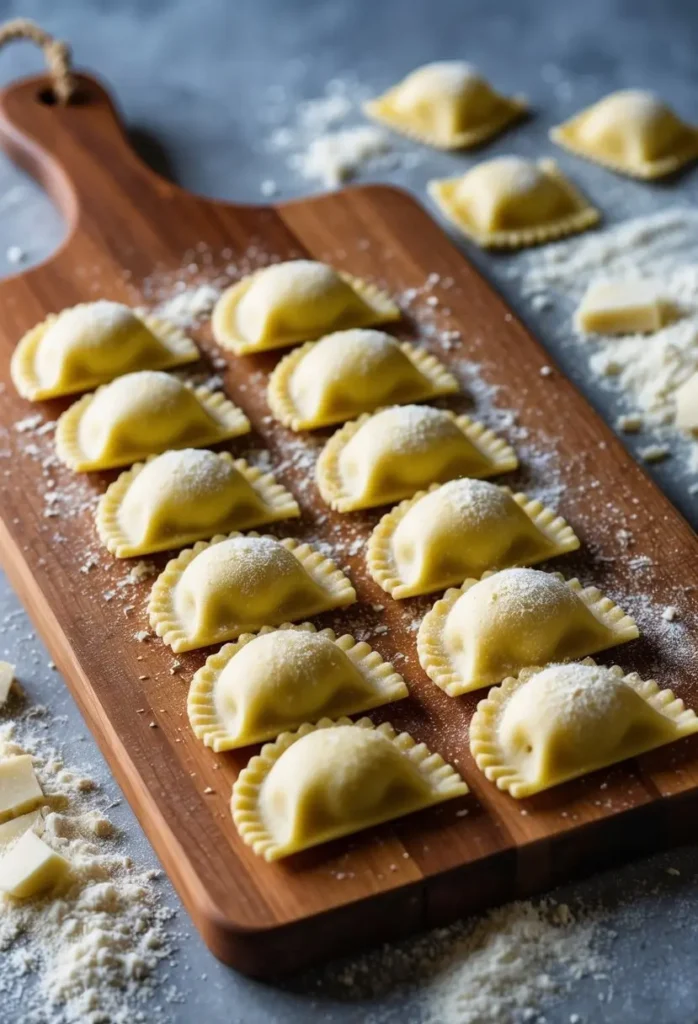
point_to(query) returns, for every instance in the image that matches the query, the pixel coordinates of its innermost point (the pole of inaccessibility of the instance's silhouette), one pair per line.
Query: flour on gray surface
(326, 140)
(645, 370)
(502, 967)
(335, 157)
(93, 948)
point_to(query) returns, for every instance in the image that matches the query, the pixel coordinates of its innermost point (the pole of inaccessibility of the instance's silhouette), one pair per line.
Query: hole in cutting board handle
(48, 97)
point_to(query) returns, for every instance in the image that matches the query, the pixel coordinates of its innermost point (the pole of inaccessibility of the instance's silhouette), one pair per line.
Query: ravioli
(460, 529)
(632, 132)
(142, 414)
(554, 724)
(388, 456)
(349, 373)
(256, 688)
(510, 203)
(237, 584)
(185, 495)
(333, 779)
(91, 344)
(446, 104)
(512, 619)
(296, 301)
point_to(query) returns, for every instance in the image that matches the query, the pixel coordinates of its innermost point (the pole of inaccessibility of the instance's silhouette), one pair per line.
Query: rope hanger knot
(56, 53)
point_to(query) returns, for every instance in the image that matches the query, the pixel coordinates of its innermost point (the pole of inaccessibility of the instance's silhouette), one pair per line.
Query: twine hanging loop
(56, 53)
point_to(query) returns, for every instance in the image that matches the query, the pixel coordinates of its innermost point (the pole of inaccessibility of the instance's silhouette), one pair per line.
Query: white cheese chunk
(7, 677)
(687, 405)
(620, 307)
(31, 867)
(14, 828)
(19, 787)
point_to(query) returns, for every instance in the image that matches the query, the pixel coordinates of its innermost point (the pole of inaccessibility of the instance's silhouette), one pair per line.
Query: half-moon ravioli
(446, 104)
(461, 529)
(390, 455)
(142, 414)
(259, 686)
(332, 779)
(512, 619)
(236, 584)
(287, 303)
(554, 724)
(349, 373)
(91, 344)
(630, 131)
(186, 495)
(510, 202)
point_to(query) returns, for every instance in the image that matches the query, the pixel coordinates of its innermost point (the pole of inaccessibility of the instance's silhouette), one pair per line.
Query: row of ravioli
(280, 677)
(509, 202)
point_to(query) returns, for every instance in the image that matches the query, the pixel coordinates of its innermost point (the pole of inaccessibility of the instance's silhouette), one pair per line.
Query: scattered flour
(189, 306)
(645, 369)
(327, 140)
(494, 969)
(93, 947)
(335, 157)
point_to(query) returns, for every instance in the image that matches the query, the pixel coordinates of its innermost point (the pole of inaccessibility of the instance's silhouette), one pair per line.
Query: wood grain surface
(131, 236)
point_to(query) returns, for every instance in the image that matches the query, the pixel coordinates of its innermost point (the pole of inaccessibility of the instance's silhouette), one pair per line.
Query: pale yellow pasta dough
(349, 373)
(91, 344)
(333, 779)
(446, 104)
(494, 627)
(554, 724)
(291, 302)
(186, 495)
(510, 202)
(239, 583)
(460, 529)
(260, 685)
(630, 131)
(142, 414)
(621, 307)
(398, 451)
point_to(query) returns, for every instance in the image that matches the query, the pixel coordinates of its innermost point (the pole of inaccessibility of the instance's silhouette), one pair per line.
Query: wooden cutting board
(128, 228)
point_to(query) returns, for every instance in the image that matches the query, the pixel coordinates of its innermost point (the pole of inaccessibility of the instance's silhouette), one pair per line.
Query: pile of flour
(90, 953)
(327, 140)
(644, 370)
(505, 966)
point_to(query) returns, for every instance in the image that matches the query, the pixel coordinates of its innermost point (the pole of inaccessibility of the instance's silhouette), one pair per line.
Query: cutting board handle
(81, 154)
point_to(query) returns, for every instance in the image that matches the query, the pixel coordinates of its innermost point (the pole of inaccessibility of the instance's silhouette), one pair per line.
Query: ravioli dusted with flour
(510, 202)
(509, 620)
(446, 104)
(333, 779)
(240, 583)
(632, 132)
(182, 496)
(349, 373)
(255, 688)
(388, 456)
(460, 529)
(142, 414)
(554, 724)
(91, 344)
(287, 303)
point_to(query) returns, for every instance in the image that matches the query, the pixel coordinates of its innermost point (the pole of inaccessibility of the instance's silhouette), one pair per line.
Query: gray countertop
(193, 82)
